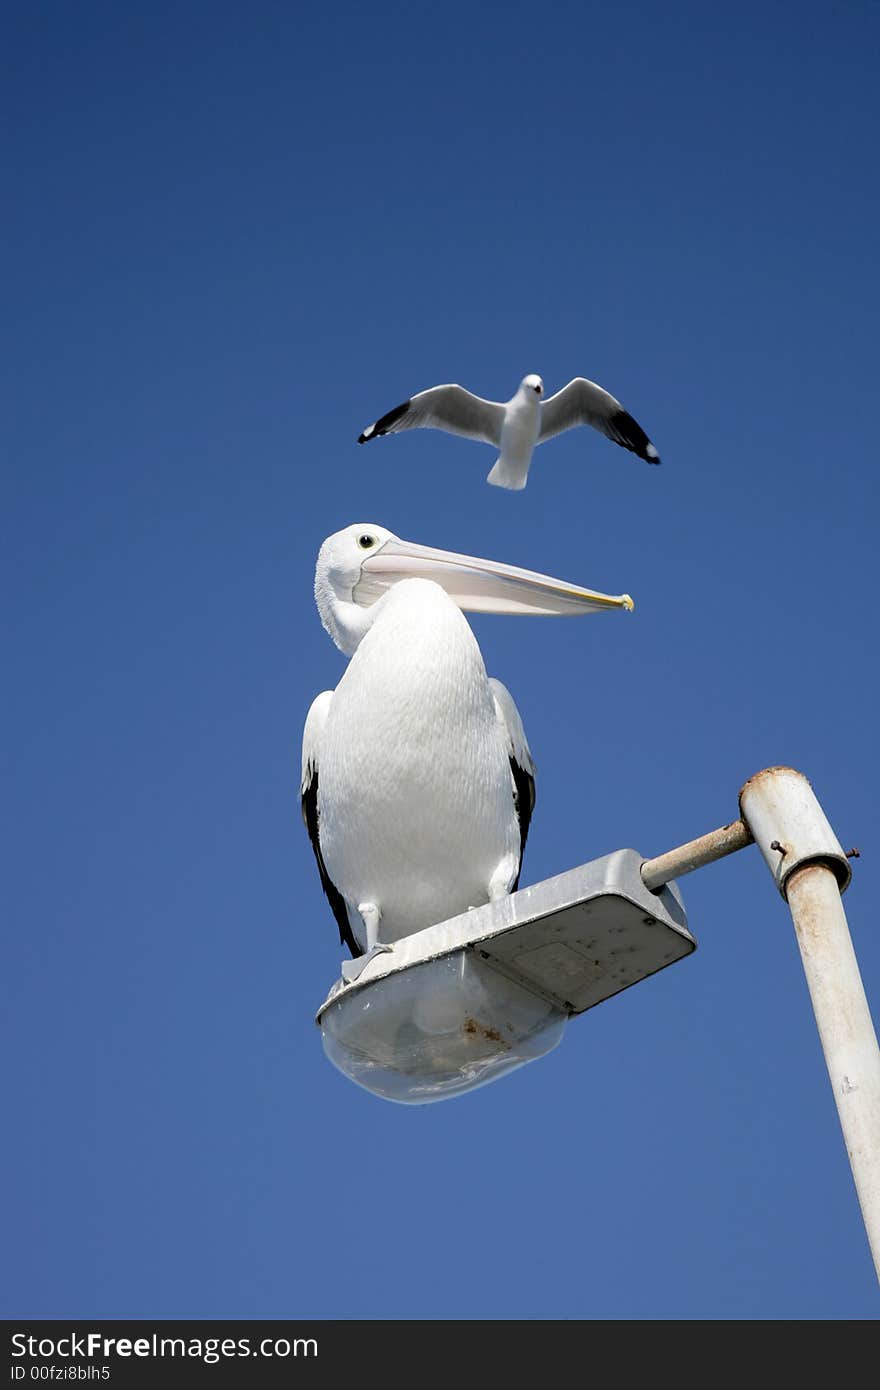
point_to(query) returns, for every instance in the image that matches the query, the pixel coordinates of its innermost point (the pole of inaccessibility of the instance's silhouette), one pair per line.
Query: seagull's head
(532, 383)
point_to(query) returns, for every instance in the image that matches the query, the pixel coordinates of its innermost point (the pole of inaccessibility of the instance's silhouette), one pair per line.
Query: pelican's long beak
(478, 586)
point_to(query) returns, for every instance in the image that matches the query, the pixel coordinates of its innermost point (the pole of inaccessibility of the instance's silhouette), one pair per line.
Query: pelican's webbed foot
(351, 969)
(370, 916)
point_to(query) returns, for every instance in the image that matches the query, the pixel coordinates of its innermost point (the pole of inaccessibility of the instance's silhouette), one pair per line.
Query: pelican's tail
(506, 474)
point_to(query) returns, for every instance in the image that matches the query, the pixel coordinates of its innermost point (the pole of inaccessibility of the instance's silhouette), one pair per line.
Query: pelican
(417, 780)
(517, 426)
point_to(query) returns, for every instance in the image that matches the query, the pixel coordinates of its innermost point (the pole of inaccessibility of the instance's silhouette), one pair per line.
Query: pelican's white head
(357, 566)
(532, 383)
(338, 572)
(341, 557)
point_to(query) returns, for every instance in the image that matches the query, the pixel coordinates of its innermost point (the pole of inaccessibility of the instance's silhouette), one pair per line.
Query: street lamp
(462, 1003)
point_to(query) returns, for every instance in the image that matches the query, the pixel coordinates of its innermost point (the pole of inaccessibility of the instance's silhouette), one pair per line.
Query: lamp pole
(781, 814)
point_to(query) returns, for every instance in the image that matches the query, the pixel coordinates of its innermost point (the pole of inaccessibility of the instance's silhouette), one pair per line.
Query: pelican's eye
(366, 542)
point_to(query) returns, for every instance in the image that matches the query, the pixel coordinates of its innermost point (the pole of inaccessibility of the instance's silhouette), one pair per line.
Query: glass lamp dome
(437, 1029)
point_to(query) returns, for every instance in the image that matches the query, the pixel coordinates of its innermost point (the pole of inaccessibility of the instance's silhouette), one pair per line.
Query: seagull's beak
(478, 586)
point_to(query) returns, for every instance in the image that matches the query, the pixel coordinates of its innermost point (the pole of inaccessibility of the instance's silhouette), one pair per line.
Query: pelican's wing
(315, 721)
(582, 402)
(450, 408)
(522, 767)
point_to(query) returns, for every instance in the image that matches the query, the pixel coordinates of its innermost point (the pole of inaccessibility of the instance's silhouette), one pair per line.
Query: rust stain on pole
(789, 826)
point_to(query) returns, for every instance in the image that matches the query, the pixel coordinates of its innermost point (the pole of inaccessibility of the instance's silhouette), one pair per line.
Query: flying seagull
(417, 781)
(519, 425)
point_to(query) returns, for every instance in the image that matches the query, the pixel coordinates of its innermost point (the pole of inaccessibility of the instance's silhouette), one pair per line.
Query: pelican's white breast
(415, 792)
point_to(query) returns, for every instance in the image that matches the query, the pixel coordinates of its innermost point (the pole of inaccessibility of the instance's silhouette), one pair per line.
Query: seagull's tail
(505, 474)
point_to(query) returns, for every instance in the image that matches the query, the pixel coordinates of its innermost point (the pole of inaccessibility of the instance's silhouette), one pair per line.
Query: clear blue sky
(235, 235)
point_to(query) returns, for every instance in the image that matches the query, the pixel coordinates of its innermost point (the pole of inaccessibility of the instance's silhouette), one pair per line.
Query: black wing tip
(629, 434)
(331, 892)
(346, 938)
(384, 423)
(524, 804)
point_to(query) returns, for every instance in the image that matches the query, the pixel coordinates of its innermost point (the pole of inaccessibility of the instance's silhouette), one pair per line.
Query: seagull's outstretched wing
(582, 402)
(450, 408)
(315, 721)
(522, 767)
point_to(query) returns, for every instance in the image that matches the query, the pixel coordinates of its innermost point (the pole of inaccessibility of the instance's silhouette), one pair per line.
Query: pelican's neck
(345, 620)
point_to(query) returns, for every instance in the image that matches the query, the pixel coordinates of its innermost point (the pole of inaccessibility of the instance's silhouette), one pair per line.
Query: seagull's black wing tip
(628, 433)
(385, 423)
